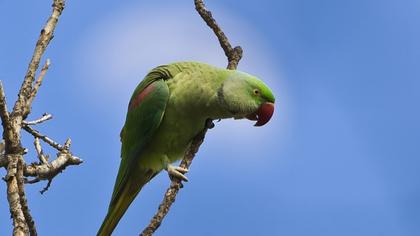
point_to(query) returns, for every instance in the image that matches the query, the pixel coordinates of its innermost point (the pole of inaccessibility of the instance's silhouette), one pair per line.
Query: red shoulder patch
(136, 101)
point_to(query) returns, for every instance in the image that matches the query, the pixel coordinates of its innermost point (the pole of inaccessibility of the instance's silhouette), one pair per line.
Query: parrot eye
(256, 92)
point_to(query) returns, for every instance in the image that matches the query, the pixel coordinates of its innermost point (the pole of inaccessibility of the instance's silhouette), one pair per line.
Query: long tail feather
(121, 200)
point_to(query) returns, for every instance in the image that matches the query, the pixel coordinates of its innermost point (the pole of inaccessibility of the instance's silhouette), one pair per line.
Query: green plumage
(167, 109)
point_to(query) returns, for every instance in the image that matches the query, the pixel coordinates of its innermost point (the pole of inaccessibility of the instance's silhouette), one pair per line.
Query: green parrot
(166, 111)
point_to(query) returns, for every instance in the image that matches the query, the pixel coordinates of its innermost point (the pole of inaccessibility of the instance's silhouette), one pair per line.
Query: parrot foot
(177, 172)
(209, 124)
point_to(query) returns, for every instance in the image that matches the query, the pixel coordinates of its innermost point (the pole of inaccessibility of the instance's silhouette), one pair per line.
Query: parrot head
(245, 96)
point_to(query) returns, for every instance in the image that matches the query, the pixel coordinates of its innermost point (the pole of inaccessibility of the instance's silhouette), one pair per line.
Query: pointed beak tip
(264, 113)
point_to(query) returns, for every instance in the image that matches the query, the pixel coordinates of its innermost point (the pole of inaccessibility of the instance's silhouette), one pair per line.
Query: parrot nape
(166, 111)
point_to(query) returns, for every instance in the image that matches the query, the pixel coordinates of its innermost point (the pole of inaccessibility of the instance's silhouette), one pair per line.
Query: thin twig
(38, 149)
(37, 84)
(234, 55)
(43, 137)
(41, 76)
(46, 187)
(32, 181)
(4, 114)
(8, 133)
(67, 144)
(44, 118)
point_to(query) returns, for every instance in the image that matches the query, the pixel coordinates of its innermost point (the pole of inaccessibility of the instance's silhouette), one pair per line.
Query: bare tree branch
(46, 187)
(32, 181)
(50, 170)
(23, 104)
(19, 222)
(176, 185)
(43, 137)
(233, 55)
(38, 148)
(44, 118)
(23, 202)
(11, 150)
(41, 76)
(3, 159)
(67, 144)
(4, 114)
(37, 84)
(5, 121)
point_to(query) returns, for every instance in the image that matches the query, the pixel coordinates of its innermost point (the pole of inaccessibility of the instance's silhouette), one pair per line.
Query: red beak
(263, 114)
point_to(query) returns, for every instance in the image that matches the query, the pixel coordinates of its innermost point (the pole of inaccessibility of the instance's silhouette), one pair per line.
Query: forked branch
(11, 150)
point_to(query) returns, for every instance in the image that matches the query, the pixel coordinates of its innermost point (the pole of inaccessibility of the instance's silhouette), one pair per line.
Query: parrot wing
(145, 112)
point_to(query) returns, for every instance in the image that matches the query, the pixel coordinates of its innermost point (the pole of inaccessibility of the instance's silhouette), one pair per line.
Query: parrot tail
(124, 194)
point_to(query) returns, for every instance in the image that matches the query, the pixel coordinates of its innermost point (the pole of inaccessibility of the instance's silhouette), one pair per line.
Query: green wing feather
(144, 116)
(143, 119)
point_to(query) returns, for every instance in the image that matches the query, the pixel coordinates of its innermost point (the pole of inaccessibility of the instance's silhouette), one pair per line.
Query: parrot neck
(198, 98)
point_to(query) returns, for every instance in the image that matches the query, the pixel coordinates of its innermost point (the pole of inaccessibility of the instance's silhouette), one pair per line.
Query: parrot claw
(209, 124)
(177, 172)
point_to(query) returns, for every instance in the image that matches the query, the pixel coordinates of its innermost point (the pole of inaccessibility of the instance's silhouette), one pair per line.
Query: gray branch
(11, 150)
(50, 170)
(44, 118)
(27, 91)
(19, 221)
(42, 158)
(43, 137)
(22, 197)
(3, 159)
(4, 114)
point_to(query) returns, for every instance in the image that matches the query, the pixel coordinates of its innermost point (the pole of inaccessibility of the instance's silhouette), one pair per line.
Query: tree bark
(11, 150)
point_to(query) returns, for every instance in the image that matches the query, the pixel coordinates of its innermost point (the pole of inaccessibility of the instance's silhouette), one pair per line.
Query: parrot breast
(192, 99)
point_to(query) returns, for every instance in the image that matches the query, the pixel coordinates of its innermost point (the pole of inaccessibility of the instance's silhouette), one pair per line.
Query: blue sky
(340, 156)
